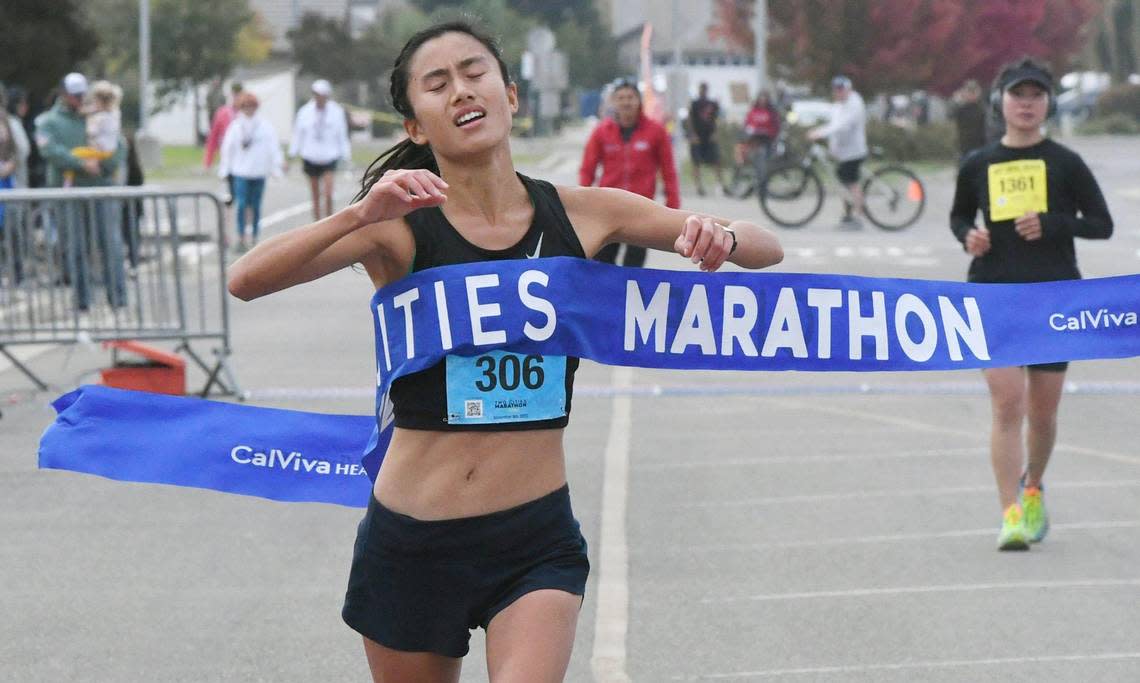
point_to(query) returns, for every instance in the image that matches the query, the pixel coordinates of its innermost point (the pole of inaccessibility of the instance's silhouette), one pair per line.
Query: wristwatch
(732, 232)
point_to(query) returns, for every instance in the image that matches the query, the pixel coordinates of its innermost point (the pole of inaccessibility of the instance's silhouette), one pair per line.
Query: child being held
(104, 122)
(104, 125)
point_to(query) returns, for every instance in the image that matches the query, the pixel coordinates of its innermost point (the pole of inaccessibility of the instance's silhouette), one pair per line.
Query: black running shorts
(422, 586)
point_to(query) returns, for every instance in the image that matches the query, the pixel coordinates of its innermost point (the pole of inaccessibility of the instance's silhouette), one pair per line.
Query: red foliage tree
(732, 23)
(932, 44)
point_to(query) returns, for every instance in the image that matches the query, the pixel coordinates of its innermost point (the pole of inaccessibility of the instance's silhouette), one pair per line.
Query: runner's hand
(1028, 226)
(978, 241)
(703, 241)
(399, 192)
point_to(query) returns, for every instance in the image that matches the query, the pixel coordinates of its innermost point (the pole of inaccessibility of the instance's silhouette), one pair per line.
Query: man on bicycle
(846, 133)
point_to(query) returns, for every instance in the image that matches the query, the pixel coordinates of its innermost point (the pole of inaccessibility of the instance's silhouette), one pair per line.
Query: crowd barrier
(82, 265)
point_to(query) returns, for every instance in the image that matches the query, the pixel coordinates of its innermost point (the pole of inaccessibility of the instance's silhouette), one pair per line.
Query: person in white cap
(60, 133)
(320, 138)
(846, 133)
(62, 129)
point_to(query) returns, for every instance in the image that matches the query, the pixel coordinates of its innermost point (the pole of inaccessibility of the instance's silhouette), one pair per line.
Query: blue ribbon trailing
(617, 316)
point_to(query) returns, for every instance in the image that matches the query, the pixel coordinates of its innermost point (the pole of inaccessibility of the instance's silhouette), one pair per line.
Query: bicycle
(793, 193)
(748, 175)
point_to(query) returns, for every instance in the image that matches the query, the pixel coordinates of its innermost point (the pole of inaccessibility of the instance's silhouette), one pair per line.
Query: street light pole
(144, 62)
(760, 31)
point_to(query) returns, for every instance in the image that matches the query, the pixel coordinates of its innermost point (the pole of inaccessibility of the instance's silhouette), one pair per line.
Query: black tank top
(420, 399)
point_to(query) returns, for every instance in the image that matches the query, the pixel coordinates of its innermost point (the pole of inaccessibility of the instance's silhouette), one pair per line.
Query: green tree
(191, 43)
(376, 50)
(41, 41)
(323, 47)
(591, 51)
(506, 26)
(254, 41)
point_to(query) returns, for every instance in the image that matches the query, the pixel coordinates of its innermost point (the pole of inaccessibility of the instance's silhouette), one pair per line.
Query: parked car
(809, 112)
(1079, 93)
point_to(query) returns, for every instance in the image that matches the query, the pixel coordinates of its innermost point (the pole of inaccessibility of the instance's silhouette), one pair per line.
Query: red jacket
(762, 122)
(632, 165)
(222, 119)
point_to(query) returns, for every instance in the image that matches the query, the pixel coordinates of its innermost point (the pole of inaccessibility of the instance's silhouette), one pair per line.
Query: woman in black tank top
(470, 527)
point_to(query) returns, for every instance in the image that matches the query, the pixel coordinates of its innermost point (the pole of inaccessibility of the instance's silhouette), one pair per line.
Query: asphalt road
(784, 526)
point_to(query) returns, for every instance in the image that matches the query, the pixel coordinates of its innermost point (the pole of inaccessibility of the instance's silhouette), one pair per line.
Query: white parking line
(920, 590)
(930, 664)
(612, 618)
(882, 538)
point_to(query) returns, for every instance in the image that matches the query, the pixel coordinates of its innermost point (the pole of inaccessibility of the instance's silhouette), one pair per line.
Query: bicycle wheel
(791, 196)
(893, 198)
(743, 182)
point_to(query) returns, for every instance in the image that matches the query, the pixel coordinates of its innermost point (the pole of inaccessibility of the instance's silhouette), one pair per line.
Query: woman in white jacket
(251, 152)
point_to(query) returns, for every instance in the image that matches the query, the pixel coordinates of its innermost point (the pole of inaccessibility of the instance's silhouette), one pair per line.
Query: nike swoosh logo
(537, 247)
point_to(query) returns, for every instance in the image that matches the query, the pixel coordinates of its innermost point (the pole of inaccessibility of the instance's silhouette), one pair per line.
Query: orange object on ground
(160, 373)
(914, 191)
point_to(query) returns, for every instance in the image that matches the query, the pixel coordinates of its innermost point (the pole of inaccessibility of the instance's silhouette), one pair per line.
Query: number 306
(509, 371)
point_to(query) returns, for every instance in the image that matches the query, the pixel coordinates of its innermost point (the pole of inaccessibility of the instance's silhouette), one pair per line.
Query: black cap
(1027, 74)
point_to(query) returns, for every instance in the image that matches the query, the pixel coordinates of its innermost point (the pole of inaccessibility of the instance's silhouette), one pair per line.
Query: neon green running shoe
(1013, 535)
(1036, 519)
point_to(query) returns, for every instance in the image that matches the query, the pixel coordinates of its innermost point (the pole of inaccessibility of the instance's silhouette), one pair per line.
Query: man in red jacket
(631, 149)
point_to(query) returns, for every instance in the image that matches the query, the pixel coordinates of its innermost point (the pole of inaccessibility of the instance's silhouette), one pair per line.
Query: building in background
(683, 55)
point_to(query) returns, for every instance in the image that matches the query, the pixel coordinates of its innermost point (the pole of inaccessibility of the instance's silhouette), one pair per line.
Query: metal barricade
(102, 264)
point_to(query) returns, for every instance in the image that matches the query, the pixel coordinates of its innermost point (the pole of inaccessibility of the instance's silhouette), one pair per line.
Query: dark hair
(17, 96)
(626, 83)
(407, 154)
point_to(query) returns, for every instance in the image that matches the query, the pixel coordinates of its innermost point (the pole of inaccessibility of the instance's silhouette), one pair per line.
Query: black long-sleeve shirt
(1076, 208)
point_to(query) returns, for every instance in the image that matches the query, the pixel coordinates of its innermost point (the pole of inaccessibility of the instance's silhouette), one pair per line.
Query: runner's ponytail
(404, 154)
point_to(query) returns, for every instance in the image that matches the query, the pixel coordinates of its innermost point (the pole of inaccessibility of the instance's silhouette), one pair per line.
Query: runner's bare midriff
(448, 475)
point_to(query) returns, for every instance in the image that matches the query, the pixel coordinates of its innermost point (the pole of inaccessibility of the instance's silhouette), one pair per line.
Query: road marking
(921, 590)
(893, 493)
(812, 459)
(929, 664)
(880, 538)
(289, 212)
(611, 620)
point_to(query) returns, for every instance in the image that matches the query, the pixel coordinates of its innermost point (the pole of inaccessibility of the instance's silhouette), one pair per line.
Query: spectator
(59, 131)
(846, 133)
(703, 149)
(14, 146)
(13, 174)
(250, 152)
(969, 117)
(632, 150)
(104, 120)
(133, 212)
(320, 138)
(222, 119)
(19, 106)
(761, 128)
